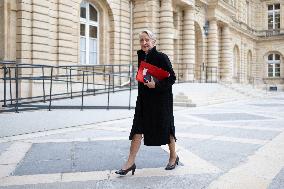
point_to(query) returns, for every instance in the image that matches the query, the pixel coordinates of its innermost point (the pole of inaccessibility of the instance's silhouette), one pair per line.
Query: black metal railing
(187, 73)
(182, 72)
(50, 83)
(207, 74)
(77, 81)
(270, 33)
(259, 33)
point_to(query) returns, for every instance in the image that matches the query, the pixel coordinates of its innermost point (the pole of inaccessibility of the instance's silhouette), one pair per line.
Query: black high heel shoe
(124, 172)
(171, 167)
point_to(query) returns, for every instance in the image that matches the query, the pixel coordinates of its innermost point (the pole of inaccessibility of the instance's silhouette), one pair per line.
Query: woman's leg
(134, 148)
(172, 148)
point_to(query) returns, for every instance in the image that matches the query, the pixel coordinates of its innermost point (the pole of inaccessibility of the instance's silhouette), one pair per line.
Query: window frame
(273, 12)
(87, 22)
(273, 64)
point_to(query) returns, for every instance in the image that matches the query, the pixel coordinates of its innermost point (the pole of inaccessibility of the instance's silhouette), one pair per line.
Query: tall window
(88, 34)
(273, 65)
(274, 16)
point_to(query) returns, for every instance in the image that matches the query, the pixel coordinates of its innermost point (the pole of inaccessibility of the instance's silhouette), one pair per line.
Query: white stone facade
(236, 46)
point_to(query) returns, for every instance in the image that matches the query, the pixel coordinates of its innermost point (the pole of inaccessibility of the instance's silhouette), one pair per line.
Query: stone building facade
(242, 41)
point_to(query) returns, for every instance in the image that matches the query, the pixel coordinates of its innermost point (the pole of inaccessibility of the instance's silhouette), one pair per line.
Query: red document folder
(145, 69)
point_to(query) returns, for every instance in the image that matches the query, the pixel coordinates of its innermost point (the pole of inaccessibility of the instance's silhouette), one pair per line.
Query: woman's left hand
(151, 84)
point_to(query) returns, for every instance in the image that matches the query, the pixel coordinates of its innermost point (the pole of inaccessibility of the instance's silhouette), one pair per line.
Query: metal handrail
(110, 79)
(80, 71)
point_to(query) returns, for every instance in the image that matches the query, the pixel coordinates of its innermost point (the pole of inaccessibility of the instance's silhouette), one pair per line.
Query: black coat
(154, 107)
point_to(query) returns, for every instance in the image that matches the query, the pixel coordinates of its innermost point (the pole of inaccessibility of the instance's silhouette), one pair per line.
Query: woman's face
(146, 42)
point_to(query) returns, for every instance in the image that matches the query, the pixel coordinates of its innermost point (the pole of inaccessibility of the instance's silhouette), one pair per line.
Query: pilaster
(145, 16)
(166, 43)
(226, 55)
(24, 31)
(212, 63)
(188, 41)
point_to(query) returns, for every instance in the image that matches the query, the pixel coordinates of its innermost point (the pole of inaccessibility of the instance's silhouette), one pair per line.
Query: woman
(153, 116)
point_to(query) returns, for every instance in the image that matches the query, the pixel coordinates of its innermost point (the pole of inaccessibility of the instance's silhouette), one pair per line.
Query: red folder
(145, 69)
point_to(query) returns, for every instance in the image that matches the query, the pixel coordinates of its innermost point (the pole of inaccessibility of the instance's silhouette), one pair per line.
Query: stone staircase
(200, 94)
(249, 90)
(182, 100)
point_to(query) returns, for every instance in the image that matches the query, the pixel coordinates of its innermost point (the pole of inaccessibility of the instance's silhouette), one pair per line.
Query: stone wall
(48, 32)
(263, 49)
(260, 9)
(8, 33)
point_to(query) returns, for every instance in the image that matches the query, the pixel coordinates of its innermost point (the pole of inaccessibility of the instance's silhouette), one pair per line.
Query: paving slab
(47, 158)
(278, 181)
(230, 116)
(224, 155)
(81, 149)
(4, 146)
(252, 134)
(198, 181)
(272, 105)
(88, 133)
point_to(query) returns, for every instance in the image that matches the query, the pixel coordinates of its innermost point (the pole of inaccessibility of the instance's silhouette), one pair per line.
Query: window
(273, 65)
(88, 34)
(274, 17)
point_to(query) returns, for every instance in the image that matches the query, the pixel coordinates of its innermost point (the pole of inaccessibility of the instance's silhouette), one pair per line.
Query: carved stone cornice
(222, 6)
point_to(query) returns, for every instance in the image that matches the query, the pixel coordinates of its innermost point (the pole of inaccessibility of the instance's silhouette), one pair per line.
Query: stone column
(40, 32)
(254, 64)
(125, 32)
(139, 20)
(245, 64)
(145, 16)
(226, 55)
(242, 61)
(212, 63)
(8, 29)
(166, 43)
(188, 40)
(68, 19)
(125, 40)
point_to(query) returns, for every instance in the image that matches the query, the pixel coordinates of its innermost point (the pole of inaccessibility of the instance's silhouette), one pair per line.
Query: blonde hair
(149, 33)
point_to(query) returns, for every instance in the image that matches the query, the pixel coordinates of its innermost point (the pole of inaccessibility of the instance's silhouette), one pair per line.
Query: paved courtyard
(232, 145)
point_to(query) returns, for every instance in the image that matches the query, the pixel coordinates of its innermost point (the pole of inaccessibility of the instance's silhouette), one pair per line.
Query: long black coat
(154, 107)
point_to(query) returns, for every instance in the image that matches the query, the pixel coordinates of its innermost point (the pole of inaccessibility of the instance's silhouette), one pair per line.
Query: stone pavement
(232, 145)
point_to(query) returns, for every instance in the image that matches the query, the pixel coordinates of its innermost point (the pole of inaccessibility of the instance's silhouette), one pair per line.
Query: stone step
(184, 104)
(182, 100)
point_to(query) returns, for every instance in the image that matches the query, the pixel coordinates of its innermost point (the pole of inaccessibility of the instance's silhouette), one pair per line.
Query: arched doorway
(199, 69)
(236, 64)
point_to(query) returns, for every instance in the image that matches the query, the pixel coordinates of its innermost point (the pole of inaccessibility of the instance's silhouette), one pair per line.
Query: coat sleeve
(166, 83)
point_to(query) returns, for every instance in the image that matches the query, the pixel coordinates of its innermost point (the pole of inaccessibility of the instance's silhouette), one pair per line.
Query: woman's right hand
(151, 84)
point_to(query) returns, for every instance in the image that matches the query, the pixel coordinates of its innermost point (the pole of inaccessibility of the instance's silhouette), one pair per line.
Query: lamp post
(204, 67)
(206, 28)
